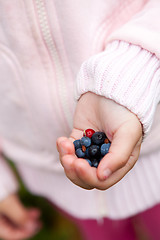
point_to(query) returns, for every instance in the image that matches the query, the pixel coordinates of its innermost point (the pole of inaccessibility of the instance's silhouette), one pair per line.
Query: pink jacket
(43, 44)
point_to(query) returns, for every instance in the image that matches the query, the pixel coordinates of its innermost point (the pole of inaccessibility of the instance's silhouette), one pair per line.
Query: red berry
(88, 133)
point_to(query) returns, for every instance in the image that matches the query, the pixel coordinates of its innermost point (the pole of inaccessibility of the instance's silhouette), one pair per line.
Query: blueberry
(80, 153)
(85, 141)
(92, 146)
(95, 163)
(77, 144)
(87, 153)
(105, 148)
(89, 161)
(94, 151)
(98, 138)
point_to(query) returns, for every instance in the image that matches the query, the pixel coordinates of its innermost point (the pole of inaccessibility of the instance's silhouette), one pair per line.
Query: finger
(85, 172)
(69, 164)
(14, 210)
(18, 214)
(65, 146)
(119, 174)
(60, 139)
(34, 213)
(67, 157)
(75, 134)
(75, 168)
(122, 146)
(10, 232)
(88, 176)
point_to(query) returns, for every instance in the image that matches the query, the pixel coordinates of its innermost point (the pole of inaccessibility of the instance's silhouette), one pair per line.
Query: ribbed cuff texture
(127, 74)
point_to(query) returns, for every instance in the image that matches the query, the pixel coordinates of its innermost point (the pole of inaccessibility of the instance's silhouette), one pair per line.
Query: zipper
(45, 29)
(102, 206)
(60, 77)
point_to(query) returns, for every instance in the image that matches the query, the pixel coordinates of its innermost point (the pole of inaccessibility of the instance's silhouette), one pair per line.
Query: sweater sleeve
(128, 71)
(127, 74)
(8, 182)
(143, 29)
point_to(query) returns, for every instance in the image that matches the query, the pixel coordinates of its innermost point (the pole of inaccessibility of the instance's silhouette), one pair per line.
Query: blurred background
(55, 225)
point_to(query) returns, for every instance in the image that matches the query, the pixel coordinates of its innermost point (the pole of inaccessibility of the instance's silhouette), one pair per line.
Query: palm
(123, 129)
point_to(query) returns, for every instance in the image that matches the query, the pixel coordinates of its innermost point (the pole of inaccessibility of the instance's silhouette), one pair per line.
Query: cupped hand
(123, 129)
(16, 221)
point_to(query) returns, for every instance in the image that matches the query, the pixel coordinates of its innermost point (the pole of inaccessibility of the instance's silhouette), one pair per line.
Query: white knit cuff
(127, 74)
(8, 182)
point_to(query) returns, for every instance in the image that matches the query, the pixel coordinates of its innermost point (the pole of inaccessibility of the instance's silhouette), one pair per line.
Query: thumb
(125, 145)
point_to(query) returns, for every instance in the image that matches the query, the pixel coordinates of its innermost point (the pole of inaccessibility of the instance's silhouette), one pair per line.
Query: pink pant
(144, 226)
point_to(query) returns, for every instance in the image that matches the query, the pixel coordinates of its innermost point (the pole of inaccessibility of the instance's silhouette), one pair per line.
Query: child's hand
(123, 130)
(17, 222)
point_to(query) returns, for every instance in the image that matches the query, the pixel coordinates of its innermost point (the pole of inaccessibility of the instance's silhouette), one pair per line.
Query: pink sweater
(43, 44)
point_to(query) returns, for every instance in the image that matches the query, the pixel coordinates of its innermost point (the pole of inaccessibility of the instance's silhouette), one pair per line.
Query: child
(115, 44)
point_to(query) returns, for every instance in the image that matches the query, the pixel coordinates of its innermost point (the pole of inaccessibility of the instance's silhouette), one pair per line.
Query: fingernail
(35, 213)
(63, 151)
(107, 172)
(61, 148)
(30, 226)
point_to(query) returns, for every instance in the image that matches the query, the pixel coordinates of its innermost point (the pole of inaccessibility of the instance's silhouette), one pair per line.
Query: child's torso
(42, 45)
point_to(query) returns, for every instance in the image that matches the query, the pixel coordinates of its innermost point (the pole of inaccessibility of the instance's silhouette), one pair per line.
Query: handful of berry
(93, 146)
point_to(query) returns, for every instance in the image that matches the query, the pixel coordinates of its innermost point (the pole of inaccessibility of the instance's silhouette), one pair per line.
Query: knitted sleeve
(8, 182)
(143, 29)
(127, 74)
